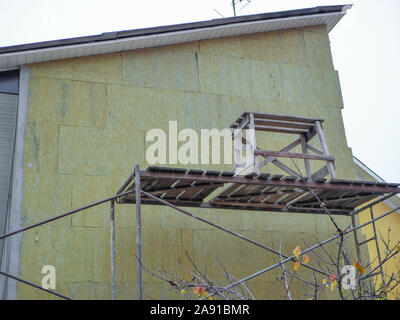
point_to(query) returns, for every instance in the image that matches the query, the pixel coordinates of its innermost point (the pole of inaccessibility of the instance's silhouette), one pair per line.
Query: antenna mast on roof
(235, 2)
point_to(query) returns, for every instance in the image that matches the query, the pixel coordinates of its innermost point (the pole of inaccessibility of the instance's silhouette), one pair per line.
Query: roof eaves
(363, 167)
(174, 28)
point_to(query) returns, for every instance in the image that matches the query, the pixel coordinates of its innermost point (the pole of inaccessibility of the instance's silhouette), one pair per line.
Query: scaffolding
(180, 187)
(305, 128)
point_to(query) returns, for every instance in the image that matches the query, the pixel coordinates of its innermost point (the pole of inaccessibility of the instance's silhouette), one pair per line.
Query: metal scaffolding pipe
(306, 250)
(238, 235)
(138, 232)
(356, 240)
(377, 248)
(112, 248)
(6, 235)
(372, 204)
(35, 285)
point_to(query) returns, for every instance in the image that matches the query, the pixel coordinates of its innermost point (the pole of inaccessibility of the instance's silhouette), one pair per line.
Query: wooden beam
(314, 149)
(257, 194)
(253, 144)
(320, 173)
(282, 117)
(287, 148)
(324, 146)
(269, 182)
(239, 127)
(283, 124)
(326, 201)
(293, 155)
(281, 130)
(247, 204)
(306, 161)
(187, 188)
(320, 210)
(285, 168)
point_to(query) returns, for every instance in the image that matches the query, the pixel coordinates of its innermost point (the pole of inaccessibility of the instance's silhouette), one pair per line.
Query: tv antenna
(235, 2)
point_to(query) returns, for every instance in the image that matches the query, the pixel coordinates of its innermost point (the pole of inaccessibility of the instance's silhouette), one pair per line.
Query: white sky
(365, 47)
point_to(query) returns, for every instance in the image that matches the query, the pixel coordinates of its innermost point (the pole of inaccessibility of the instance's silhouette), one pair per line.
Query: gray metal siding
(8, 119)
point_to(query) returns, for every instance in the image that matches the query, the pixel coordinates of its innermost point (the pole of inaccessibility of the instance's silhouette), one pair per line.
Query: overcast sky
(365, 47)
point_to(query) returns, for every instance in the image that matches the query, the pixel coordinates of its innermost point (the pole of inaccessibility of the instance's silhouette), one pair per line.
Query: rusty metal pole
(356, 240)
(377, 249)
(112, 246)
(138, 232)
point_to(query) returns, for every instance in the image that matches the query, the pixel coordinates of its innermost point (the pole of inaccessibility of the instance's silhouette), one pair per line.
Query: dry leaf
(359, 267)
(296, 252)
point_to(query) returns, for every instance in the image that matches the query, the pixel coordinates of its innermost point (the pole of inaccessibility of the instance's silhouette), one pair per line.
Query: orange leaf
(296, 266)
(306, 259)
(296, 252)
(196, 290)
(362, 270)
(201, 290)
(332, 277)
(359, 267)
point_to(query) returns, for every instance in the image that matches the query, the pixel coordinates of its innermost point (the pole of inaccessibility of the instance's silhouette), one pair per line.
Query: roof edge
(176, 27)
(364, 167)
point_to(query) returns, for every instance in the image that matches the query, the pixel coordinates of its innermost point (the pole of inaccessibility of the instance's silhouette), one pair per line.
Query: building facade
(82, 124)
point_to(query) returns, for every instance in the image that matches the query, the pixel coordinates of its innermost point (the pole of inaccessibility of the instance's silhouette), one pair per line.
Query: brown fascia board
(173, 28)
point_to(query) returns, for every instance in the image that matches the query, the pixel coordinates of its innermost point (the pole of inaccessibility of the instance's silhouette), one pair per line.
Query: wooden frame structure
(264, 192)
(306, 128)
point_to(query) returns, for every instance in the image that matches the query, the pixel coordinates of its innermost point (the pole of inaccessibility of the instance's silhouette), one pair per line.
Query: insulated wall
(86, 127)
